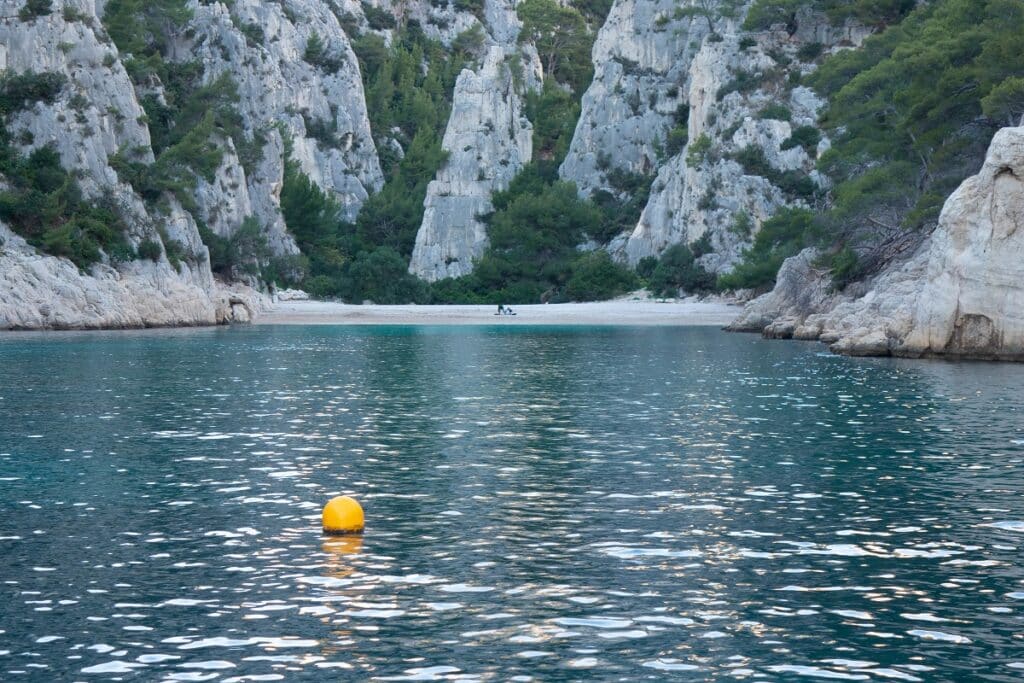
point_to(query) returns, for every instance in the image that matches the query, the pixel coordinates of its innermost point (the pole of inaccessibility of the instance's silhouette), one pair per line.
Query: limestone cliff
(960, 295)
(95, 114)
(280, 93)
(40, 292)
(315, 112)
(641, 56)
(704, 190)
(743, 109)
(488, 140)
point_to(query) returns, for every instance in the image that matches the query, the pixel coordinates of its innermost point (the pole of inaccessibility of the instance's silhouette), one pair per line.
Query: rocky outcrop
(96, 115)
(641, 59)
(707, 189)
(46, 292)
(97, 112)
(972, 303)
(960, 295)
(320, 107)
(488, 140)
(800, 290)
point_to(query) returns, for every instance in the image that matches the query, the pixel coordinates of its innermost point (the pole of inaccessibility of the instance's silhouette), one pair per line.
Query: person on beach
(501, 309)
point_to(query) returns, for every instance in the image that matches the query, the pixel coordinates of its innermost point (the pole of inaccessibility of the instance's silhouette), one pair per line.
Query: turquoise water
(563, 504)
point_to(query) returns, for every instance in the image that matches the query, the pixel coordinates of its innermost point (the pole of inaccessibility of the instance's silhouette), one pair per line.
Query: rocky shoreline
(40, 292)
(960, 295)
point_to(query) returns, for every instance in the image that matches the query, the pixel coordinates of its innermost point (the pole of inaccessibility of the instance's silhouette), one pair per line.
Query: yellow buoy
(343, 515)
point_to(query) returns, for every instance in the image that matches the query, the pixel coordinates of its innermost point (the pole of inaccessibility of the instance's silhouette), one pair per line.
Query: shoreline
(618, 312)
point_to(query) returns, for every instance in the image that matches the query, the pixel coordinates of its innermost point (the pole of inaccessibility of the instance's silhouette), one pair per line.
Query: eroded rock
(959, 295)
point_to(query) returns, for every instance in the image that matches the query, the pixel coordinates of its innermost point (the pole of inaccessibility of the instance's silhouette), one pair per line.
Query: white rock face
(264, 187)
(277, 86)
(439, 21)
(705, 194)
(972, 303)
(224, 203)
(960, 295)
(488, 140)
(641, 57)
(45, 292)
(800, 290)
(96, 115)
(233, 196)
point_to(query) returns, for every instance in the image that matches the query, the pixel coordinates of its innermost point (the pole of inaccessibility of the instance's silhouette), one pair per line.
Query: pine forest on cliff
(898, 103)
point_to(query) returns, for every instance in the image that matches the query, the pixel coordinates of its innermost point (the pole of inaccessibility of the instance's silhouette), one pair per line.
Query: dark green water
(556, 504)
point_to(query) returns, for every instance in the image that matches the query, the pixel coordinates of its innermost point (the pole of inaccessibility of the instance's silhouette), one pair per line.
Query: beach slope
(619, 312)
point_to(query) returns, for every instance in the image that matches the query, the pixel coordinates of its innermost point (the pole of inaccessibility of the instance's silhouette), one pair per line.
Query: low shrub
(777, 112)
(150, 249)
(677, 269)
(780, 237)
(807, 137)
(33, 9)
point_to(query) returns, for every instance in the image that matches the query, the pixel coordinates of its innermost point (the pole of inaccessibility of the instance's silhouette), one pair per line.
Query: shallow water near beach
(547, 503)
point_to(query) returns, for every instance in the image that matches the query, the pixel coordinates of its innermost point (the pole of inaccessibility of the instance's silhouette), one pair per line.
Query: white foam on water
(940, 636)
(113, 667)
(668, 664)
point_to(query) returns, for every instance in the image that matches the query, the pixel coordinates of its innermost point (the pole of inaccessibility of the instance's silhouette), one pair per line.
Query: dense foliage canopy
(910, 115)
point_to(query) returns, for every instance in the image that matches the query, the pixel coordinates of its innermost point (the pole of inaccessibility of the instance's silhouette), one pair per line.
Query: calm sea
(542, 503)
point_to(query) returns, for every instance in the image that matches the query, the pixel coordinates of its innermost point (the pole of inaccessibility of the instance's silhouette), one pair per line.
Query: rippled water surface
(547, 503)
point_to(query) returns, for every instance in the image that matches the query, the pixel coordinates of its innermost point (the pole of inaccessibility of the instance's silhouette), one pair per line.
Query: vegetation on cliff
(408, 92)
(39, 199)
(539, 222)
(910, 116)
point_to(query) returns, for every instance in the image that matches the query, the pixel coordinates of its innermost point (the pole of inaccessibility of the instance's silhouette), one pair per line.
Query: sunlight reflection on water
(599, 503)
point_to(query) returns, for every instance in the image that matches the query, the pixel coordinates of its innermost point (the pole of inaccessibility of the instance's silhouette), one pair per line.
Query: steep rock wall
(282, 94)
(488, 140)
(960, 295)
(96, 115)
(641, 61)
(44, 292)
(704, 190)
